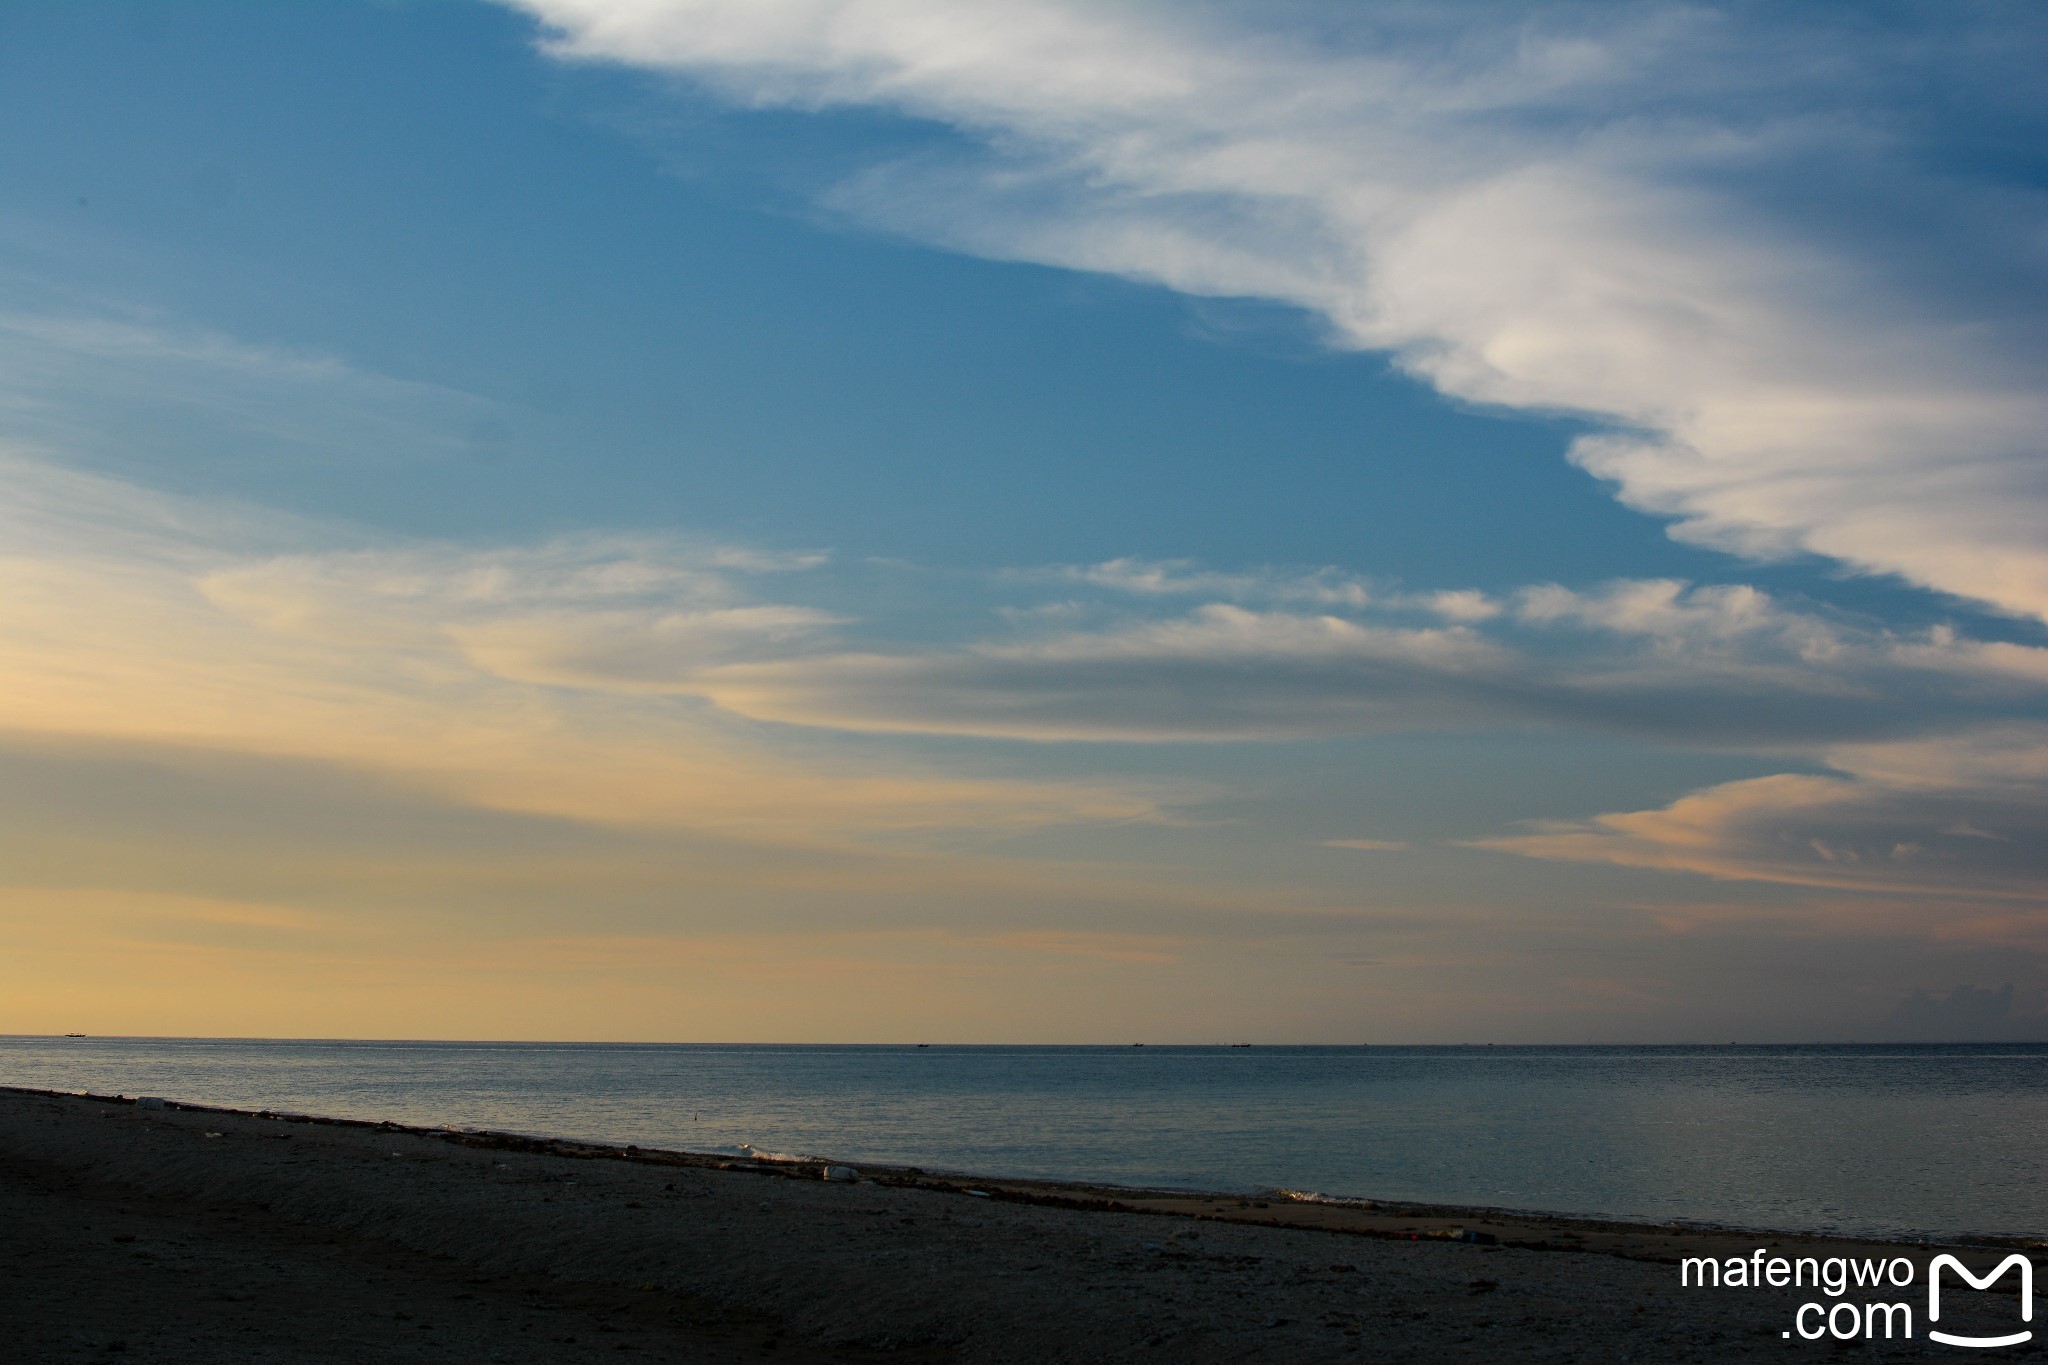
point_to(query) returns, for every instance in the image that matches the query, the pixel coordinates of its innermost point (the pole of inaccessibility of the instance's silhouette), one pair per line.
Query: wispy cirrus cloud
(1327, 586)
(1185, 578)
(502, 676)
(1962, 818)
(1727, 233)
(592, 702)
(1221, 672)
(125, 393)
(1178, 651)
(567, 611)
(1694, 666)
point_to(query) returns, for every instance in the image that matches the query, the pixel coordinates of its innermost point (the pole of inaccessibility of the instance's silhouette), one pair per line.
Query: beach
(185, 1233)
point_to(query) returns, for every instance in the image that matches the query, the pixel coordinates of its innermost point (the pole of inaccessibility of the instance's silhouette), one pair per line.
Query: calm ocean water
(1888, 1140)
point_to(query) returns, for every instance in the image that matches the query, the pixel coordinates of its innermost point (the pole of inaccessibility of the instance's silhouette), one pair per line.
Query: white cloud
(562, 597)
(1183, 578)
(1663, 608)
(1965, 817)
(1322, 587)
(1717, 229)
(653, 617)
(514, 678)
(1462, 604)
(1712, 666)
(1221, 672)
(625, 651)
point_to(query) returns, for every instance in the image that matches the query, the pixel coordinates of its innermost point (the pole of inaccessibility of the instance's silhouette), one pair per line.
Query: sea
(1928, 1141)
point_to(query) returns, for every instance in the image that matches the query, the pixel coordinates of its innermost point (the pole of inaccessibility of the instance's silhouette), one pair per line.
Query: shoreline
(1633, 1143)
(1386, 1219)
(192, 1233)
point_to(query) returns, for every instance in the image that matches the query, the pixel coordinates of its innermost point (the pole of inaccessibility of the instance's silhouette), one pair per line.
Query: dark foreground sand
(195, 1235)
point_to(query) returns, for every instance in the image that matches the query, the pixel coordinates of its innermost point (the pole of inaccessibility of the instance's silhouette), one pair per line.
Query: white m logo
(1981, 1282)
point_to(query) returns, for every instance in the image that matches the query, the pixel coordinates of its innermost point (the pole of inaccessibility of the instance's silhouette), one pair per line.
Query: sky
(888, 520)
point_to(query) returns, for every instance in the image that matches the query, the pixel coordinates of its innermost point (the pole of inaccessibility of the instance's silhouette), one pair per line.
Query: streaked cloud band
(1709, 227)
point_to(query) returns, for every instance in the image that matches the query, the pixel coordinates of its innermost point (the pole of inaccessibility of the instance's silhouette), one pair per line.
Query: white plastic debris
(846, 1173)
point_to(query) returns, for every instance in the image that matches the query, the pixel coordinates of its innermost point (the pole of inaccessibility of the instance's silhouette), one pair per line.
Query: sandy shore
(201, 1235)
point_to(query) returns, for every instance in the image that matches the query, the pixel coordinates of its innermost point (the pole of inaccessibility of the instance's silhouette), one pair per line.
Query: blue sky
(710, 340)
(1352, 522)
